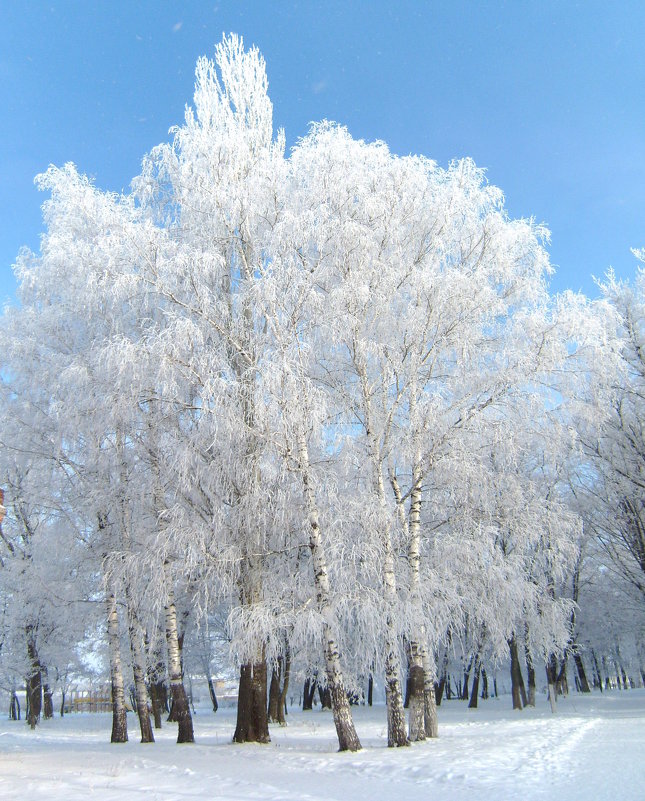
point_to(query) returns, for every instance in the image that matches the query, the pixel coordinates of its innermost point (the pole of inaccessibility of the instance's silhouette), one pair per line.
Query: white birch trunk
(423, 709)
(139, 671)
(417, 674)
(423, 720)
(396, 734)
(138, 662)
(347, 737)
(181, 709)
(119, 717)
(430, 702)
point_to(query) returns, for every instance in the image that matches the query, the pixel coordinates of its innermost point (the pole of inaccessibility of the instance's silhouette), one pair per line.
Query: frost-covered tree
(322, 396)
(439, 319)
(616, 449)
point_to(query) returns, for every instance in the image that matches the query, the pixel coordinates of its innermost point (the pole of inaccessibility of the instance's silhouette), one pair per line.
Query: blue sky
(548, 96)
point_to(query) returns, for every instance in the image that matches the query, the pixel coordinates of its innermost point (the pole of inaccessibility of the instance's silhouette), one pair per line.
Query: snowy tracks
(593, 749)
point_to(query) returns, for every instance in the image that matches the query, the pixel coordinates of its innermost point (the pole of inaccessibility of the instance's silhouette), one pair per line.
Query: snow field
(592, 749)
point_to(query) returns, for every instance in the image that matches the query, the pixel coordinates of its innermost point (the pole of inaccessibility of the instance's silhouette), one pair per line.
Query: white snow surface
(593, 748)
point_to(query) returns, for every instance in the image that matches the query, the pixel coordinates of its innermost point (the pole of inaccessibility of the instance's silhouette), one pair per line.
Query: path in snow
(594, 748)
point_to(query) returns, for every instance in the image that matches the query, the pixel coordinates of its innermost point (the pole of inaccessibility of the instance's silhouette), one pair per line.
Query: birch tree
(616, 448)
(313, 391)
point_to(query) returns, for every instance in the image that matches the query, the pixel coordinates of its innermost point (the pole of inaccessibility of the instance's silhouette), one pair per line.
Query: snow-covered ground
(593, 748)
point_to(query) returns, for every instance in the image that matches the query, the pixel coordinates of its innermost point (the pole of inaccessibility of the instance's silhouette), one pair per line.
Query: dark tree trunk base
(146, 729)
(274, 695)
(308, 694)
(156, 705)
(181, 714)
(119, 726)
(416, 704)
(211, 692)
(347, 737)
(582, 676)
(252, 722)
(48, 703)
(472, 704)
(438, 690)
(282, 701)
(14, 709)
(517, 682)
(325, 698)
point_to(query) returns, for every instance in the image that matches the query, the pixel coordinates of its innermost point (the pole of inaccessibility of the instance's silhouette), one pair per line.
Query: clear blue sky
(548, 96)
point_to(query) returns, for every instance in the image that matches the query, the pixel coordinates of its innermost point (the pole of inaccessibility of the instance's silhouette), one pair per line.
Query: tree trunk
(516, 675)
(274, 694)
(396, 729)
(211, 692)
(596, 670)
(562, 683)
(156, 705)
(523, 695)
(530, 675)
(139, 671)
(308, 694)
(484, 685)
(606, 669)
(139, 697)
(14, 709)
(620, 670)
(406, 697)
(582, 682)
(180, 706)
(370, 690)
(155, 672)
(430, 718)
(420, 706)
(180, 647)
(345, 730)
(420, 697)
(160, 703)
(552, 678)
(48, 702)
(396, 733)
(416, 705)
(472, 704)
(181, 635)
(34, 681)
(119, 718)
(439, 688)
(464, 695)
(252, 722)
(325, 697)
(252, 719)
(34, 698)
(282, 703)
